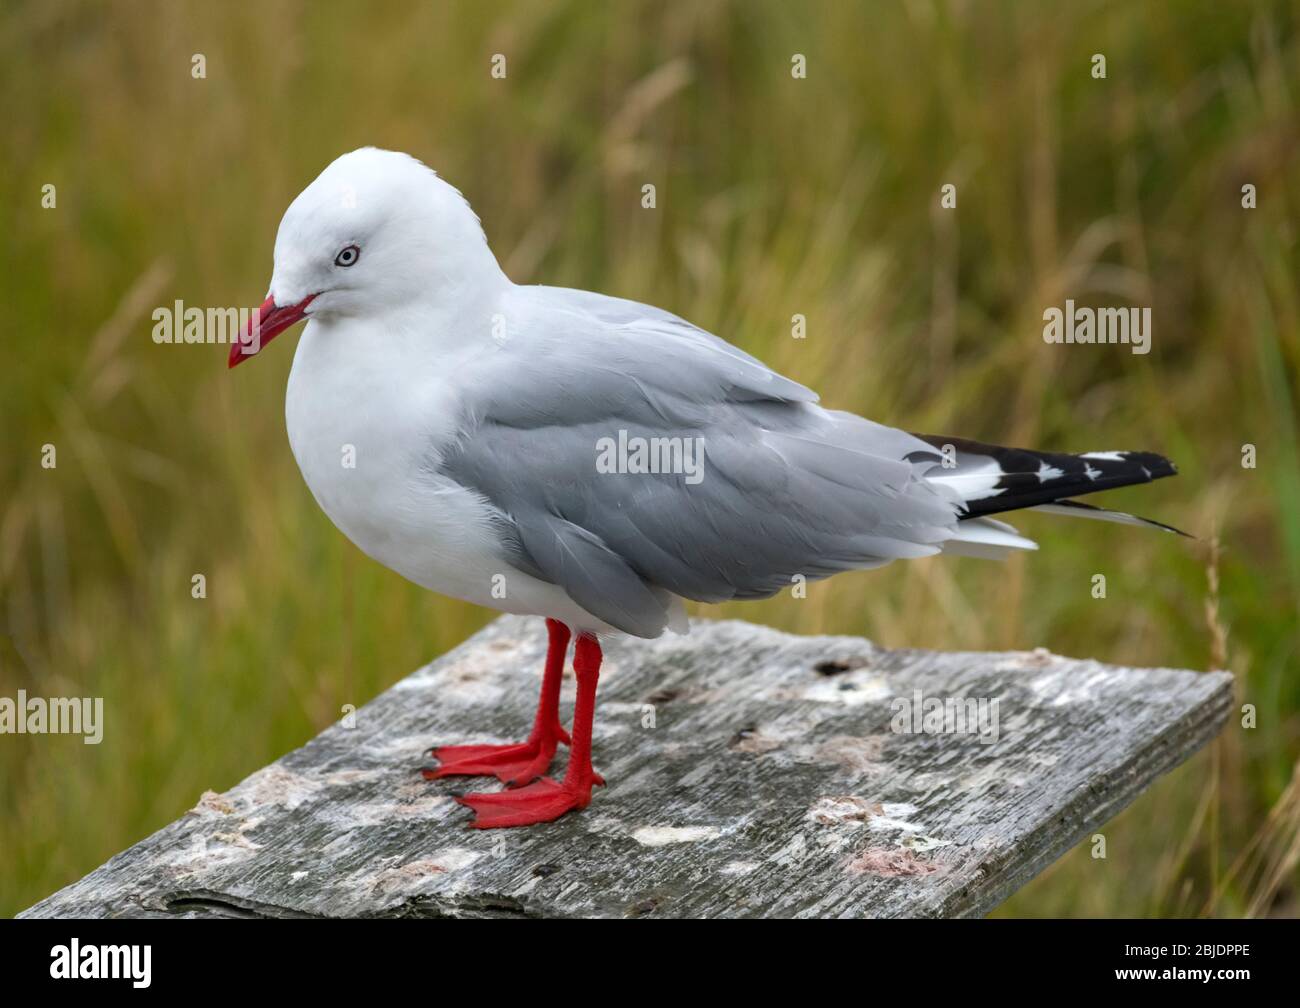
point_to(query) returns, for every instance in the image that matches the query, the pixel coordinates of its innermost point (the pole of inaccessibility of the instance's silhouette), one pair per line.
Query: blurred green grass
(776, 196)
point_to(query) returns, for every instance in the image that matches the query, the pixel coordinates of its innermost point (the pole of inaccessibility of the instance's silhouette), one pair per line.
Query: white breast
(367, 430)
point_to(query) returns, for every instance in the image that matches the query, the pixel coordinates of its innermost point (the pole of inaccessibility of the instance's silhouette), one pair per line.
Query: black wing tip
(1157, 465)
(1030, 477)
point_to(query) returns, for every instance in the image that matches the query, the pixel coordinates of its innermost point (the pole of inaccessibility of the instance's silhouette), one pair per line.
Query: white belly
(368, 440)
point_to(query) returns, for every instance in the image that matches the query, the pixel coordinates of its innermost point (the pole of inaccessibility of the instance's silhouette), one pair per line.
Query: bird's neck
(460, 318)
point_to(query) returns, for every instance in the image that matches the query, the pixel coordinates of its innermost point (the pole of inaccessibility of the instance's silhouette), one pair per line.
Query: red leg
(546, 799)
(517, 764)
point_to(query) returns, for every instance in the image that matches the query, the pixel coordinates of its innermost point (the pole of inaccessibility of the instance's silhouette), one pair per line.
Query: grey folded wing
(768, 487)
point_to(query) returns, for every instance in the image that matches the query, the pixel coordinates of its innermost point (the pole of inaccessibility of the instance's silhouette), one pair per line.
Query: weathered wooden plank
(768, 782)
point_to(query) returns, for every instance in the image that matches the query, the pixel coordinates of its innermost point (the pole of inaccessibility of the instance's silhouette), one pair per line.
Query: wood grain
(751, 773)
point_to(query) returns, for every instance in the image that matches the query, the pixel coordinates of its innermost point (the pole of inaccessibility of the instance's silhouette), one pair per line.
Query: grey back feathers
(784, 489)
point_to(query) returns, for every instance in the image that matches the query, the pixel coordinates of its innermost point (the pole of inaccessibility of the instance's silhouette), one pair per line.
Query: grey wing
(769, 486)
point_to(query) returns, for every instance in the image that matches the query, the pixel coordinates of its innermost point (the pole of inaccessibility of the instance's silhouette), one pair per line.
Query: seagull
(588, 459)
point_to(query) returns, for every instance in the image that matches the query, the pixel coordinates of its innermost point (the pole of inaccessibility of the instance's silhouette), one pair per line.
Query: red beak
(271, 320)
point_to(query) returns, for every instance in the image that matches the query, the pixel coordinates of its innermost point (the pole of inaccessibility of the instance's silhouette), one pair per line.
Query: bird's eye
(348, 256)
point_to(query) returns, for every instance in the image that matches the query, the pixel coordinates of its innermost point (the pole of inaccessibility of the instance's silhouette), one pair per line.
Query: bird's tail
(990, 479)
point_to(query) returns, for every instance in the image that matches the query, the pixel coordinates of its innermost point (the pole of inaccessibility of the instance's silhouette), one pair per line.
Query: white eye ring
(347, 256)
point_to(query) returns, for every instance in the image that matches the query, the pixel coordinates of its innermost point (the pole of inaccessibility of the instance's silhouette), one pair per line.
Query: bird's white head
(376, 230)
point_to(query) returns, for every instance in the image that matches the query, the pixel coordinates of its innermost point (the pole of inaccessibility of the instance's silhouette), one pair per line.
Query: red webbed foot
(541, 801)
(547, 799)
(522, 762)
(512, 764)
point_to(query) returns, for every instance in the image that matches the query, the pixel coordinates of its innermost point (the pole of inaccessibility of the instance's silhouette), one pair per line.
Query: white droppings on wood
(205, 853)
(661, 836)
(850, 689)
(1062, 686)
(893, 819)
(920, 844)
(454, 859)
(376, 813)
(599, 824)
(274, 785)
